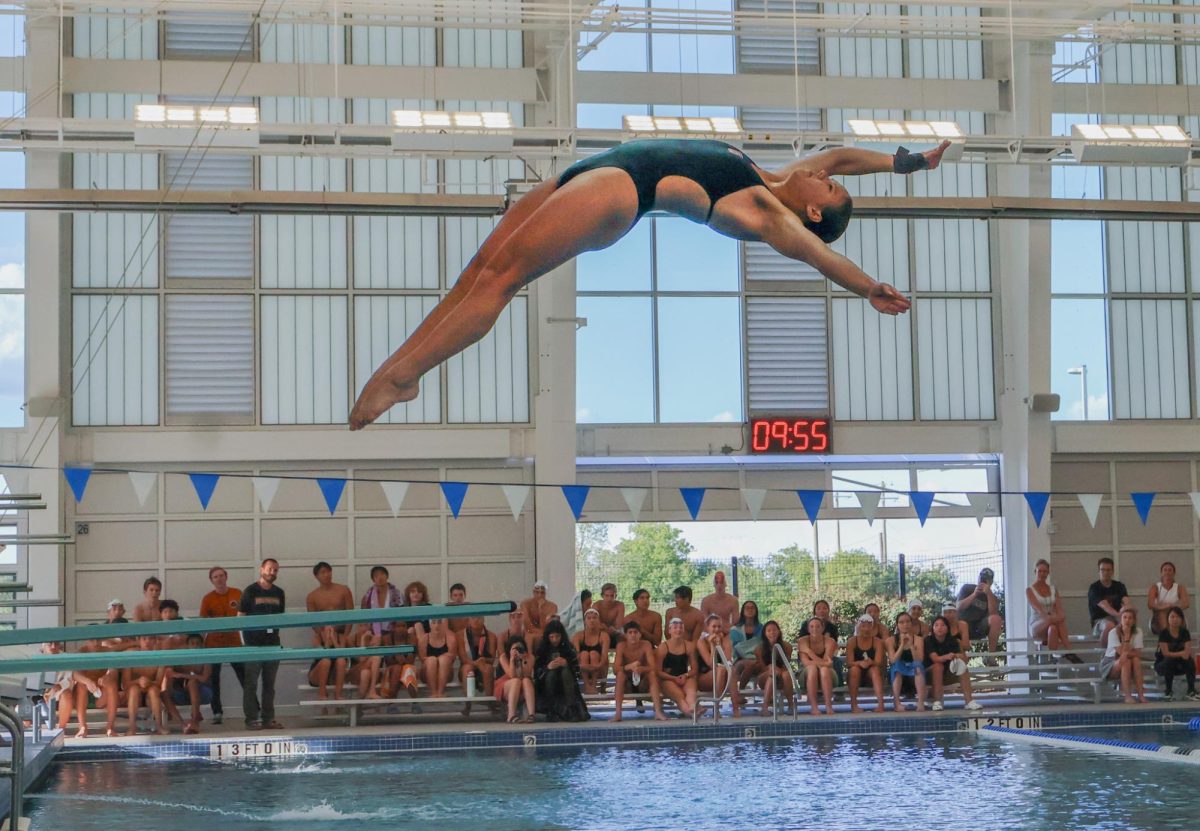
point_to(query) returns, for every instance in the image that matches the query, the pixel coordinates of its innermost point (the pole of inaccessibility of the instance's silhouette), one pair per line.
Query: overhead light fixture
(176, 125)
(683, 125)
(434, 131)
(1144, 143)
(927, 134)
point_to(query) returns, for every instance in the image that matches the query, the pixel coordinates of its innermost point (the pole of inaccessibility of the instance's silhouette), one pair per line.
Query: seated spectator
(116, 611)
(477, 651)
(720, 603)
(148, 609)
(515, 681)
(101, 686)
(416, 594)
(906, 653)
(775, 675)
(364, 672)
(677, 667)
(382, 594)
(1106, 598)
(712, 676)
(817, 649)
(61, 691)
(746, 637)
(538, 612)
(145, 682)
(458, 596)
(636, 669)
(881, 631)
(516, 627)
(612, 613)
(556, 677)
(1165, 595)
(980, 610)
(946, 663)
(1048, 623)
(437, 651)
(958, 629)
(648, 620)
(916, 610)
(1174, 655)
(190, 685)
(169, 610)
(591, 644)
(821, 612)
(693, 618)
(864, 654)
(327, 637)
(1123, 656)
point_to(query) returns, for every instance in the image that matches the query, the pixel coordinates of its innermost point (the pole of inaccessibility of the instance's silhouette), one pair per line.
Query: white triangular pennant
(516, 496)
(754, 500)
(264, 489)
(395, 493)
(1195, 497)
(869, 502)
(635, 498)
(16, 479)
(143, 483)
(981, 503)
(1091, 505)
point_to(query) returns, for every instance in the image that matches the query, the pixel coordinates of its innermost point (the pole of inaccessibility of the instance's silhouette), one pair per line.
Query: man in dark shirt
(261, 598)
(1105, 598)
(980, 610)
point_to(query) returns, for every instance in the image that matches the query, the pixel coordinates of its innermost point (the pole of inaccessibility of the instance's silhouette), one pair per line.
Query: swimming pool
(836, 782)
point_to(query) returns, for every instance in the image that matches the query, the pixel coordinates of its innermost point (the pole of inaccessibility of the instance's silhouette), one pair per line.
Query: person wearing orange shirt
(222, 601)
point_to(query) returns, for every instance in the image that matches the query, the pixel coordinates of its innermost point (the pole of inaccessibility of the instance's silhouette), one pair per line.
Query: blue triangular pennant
(576, 495)
(1037, 505)
(922, 501)
(455, 493)
(693, 498)
(1143, 501)
(331, 489)
(77, 478)
(811, 500)
(205, 484)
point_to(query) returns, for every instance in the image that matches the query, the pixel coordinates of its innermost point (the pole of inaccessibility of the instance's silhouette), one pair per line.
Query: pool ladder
(777, 652)
(717, 698)
(15, 771)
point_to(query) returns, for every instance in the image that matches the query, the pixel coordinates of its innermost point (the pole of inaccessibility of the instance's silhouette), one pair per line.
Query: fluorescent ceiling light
(696, 125)
(185, 115)
(457, 120)
(890, 128)
(1136, 143)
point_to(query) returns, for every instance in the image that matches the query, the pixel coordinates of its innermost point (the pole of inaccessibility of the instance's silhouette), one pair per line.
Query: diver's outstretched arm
(854, 161)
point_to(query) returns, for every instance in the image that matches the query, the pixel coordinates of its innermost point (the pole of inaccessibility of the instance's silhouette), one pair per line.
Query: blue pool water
(868, 782)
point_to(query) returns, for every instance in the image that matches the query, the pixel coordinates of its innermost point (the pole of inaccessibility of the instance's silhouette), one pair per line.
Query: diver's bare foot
(378, 396)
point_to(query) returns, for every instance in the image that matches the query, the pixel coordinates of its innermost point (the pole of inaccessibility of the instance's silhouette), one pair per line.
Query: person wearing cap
(116, 611)
(915, 610)
(864, 655)
(538, 611)
(946, 663)
(980, 610)
(591, 645)
(957, 627)
(720, 603)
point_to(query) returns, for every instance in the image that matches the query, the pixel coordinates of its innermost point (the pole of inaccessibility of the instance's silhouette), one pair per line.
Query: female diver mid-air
(797, 211)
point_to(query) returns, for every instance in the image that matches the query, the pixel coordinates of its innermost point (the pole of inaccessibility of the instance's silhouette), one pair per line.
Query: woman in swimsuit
(677, 667)
(906, 652)
(768, 680)
(816, 656)
(592, 204)
(477, 656)
(864, 654)
(592, 645)
(416, 594)
(437, 651)
(707, 664)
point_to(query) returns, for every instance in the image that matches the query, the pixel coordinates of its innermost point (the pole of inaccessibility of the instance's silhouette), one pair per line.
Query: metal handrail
(778, 650)
(718, 655)
(11, 720)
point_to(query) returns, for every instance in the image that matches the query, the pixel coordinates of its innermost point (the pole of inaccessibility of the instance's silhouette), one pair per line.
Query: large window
(704, 47)
(12, 298)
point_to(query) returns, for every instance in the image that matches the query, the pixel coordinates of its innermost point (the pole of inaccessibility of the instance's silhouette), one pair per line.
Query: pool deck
(37, 762)
(446, 731)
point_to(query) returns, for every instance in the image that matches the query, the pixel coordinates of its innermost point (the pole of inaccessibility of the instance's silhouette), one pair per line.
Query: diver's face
(820, 192)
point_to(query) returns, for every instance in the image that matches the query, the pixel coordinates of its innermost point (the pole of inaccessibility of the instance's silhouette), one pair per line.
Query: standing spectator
(1174, 654)
(147, 610)
(980, 610)
(261, 598)
(1165, 595)
(612, 613)
(1106, 597)
(222, 601)
(720, 603)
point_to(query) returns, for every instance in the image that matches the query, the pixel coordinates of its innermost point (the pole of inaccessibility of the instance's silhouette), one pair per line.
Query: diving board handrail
(787, 665)
(720, 655)
(185, 657)
(284, 620)
(11, 721)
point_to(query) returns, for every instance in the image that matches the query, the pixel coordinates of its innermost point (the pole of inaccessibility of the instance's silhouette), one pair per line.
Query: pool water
(850, 782)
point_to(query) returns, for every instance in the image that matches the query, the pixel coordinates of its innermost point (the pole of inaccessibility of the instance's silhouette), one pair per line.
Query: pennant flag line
(922, 501)
(693, 498)
(1143, 501)
(869, 502)
(576, 495)
(1037, 501)
(811, 500)
(1090, 502)
(754, 500)
(77, 478)
(1195, 497)
(394, 492)
(635, 498)
(143, 483)
(981, 503)
(16, 480)
(205, 484)
(455, 493)
(516, 496)
(265, 488)
(331, 489)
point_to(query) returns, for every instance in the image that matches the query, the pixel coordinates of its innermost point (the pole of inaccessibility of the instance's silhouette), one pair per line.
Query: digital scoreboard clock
(790, 434)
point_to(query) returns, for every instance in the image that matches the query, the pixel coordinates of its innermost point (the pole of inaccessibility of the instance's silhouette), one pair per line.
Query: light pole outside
(1081, 371)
